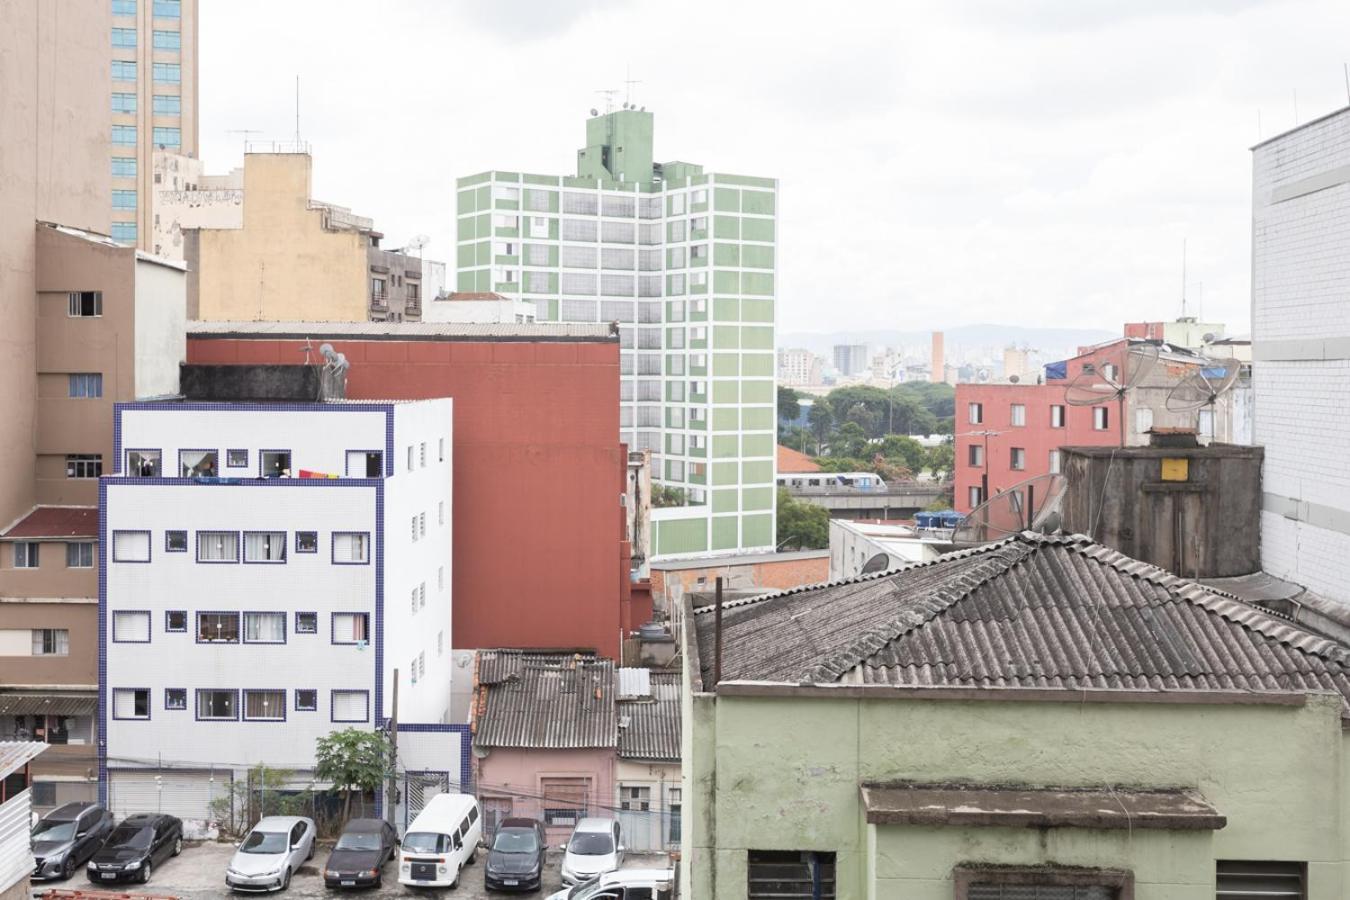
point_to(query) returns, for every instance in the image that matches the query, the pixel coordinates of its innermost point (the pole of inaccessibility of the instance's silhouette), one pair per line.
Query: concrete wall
(161, 315)
(794, 570)
(785, 773)
(52, 578)
(54, 89)
(185, 197)
(283, 264)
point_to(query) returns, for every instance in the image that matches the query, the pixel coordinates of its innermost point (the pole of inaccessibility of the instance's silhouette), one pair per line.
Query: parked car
(625, 884)
(358, 858)
(65, 838)
(594, 848)
(271, 853)
(440, 841)
(135, 847)
(515, 860)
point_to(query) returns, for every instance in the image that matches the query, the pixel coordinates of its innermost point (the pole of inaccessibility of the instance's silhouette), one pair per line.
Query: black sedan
(67, 836)
(516, 858)
(135, 847)
(359, 856)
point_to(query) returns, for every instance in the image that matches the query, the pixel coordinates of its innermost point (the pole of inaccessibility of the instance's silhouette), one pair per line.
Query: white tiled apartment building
(268, 567)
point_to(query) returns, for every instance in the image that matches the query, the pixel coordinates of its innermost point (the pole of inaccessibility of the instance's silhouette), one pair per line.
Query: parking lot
(199, 874)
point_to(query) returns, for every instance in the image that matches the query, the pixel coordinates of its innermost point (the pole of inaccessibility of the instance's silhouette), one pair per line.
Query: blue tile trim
(196, 704)
(197, 545)
(332, 705)
(243, 549)
(243, 705)
(230, 465)
(314, 549)
(150, 627)
(243, 625)
(169, 690)
(465, 745)
(149, 549)
(306, 612)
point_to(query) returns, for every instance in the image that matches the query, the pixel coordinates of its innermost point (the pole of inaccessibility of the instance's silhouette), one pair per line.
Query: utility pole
(390, 814)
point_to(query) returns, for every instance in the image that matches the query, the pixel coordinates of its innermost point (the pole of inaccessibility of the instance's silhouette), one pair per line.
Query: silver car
(271, 853)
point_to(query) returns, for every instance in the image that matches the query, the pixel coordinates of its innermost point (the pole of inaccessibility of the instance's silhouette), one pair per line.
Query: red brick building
(539, 555)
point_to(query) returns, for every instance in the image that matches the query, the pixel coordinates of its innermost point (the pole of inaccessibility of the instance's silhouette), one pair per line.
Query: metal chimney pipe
(717, 634)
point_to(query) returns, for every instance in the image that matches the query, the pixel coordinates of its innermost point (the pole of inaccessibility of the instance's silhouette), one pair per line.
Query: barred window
(536, 254)
(649, 416)
(648, 364)
(617, 258)
(616, 285)
(536, 282)
(577, 283)
(619, 206)
(649, 207)
(649, 285)
(649, 312)
(616, 311)
(649, 338)
(578, 257)
(625, 364)
(578, 230)
(617, 232)
(578, 311)
(648, 440)
(582, 204)
(649, 260)
(650, 233)
(536, 200)
(649, 390)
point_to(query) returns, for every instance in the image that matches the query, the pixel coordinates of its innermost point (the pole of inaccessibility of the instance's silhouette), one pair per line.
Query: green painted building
(1041, 718)
(685, 261)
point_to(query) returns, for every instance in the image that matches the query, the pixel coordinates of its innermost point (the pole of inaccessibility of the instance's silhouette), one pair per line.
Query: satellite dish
(879, 563)
(1013, 379)
(595, 112)
(1095, 387)
(1204, 385)
(1031, 505)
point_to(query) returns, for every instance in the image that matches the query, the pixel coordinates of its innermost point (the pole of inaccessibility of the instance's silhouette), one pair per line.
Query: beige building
(294, 258)
(184, 196)
(153, 104)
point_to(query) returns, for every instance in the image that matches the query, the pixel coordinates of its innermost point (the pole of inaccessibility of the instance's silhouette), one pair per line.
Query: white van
(441, 840)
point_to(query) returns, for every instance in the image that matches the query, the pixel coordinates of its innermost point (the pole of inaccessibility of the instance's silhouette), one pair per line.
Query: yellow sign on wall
(1176, 469)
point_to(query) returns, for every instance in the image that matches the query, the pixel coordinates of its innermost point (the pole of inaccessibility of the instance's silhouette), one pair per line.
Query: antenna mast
(1183, 278)
(297, 110)
(628, 82)
(245, 132)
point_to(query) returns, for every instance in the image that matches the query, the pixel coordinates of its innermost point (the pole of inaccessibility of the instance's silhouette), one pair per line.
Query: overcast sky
(943, 163)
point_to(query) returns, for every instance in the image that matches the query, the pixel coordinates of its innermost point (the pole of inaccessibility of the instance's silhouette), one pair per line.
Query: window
(167, 73)
(501, 220)
(1043, 883)
(1017, 458)
(351, 628)
(175, 541)
(538, 226)
(143, 463)
(975, 454)
(167, 9)
(131, 546)
(351, 547)
(1055, 462)
(440, 578)
(365, 464)
(440, 642)
(422, 454)
(124, 7)
(635, 797)
(976, 496)
(26, 554)
(306, 623)
(377, 289)
(410, 457)
(1260, 880)
(123, 103)
(265, 547)
(124, 70)
(236, 459)
(1101, 418)
(264, 706)
(975, 413)
(414, 528)
(565, 800)
(306, 700)
(217, 627)
(84, 465)
(175, 698)
(413, 600)
(168, 104)
(422, 524)
(351, 706)
(412, 671)
(306, 542)
(216, 704)
(85, 385)
(440, 512)
(122, 167)
(80, 555)
(1143, 420)
(790, 874)
(168, 40)
(264, 628)
(218, 546)
(51, 642)
(194, 463)
(86, 304)
(131, 627)
(1057, 416)
(440, 450)
(123, 199)
(275, 464)
(124, 135)
(422, 665)
(175, 620)
(166, 137)
(131, 703)
(1017, 415)
(124, 37)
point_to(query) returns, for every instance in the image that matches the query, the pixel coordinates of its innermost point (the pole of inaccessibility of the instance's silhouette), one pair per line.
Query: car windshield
(515, 840)
(358, 840)
(54, 831)
(130, 837)
(265, 842)
(591, 843)
(426, 842)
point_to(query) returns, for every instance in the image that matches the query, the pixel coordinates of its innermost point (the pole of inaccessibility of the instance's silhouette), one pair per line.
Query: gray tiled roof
(1029, 611)
(652, 729)
(544, 700)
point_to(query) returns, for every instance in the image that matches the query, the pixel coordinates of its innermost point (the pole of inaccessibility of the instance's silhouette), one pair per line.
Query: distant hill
(1050, 340)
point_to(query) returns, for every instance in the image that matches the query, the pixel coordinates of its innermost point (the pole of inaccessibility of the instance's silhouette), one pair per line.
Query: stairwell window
(86, 304)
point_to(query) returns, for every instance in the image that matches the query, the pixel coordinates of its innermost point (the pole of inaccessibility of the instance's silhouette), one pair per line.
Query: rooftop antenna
(628, 82)
(1345, 67)
(609, 99)
(1183, 278)
(1204, 385)
(1031, 505)
(297, 111)
(1095, 387)
(245, 132)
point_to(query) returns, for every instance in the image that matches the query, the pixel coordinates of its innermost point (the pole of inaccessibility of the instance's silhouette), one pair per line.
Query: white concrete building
(798, 367)
(854, 544)
(483, 307)
(244, 615)
(1301, 350)
(184, 196)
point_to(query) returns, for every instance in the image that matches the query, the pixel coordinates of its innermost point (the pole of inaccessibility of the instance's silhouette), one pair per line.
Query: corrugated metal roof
(410, 331)
(55, 522)
(52, 703)
(544, 700)
(1029, 611)
(650, 728)
(14, 755)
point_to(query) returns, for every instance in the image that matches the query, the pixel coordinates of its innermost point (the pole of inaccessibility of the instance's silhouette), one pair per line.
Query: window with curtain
(351, 547)
(192, 463)
(131, 546)
(264, 628)
(217, 546)
(351, 628)
(131, 703)
(264, 706)
(618, 232)
(265, 546)
(129, 626)
(350, 706)
(51, 642)
(579, 257)
(216, 704)
(582, 204)
(618, 205)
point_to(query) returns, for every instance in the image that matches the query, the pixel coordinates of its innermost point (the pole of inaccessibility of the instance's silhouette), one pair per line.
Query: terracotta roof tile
(56, 523)
(790, 460)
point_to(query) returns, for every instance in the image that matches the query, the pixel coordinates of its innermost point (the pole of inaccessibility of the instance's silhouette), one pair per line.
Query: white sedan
(271, 853)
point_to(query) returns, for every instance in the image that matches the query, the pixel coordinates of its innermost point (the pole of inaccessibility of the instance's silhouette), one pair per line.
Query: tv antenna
(628, 82)
(609, 99)
(1204, 385)
(1096, 387)
(417, 242)
(245, 132)
(1031, 505)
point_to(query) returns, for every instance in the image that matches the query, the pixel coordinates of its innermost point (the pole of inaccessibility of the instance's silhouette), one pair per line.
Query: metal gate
(418, 788)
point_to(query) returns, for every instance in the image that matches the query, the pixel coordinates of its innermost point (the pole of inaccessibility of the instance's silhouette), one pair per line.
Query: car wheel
(286, 880)
(178, 845)
(473, 857)
(310, 855)
(455, 883)
(145, 873)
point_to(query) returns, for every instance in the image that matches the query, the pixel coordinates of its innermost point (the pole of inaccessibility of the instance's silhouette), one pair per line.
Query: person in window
(147, 468)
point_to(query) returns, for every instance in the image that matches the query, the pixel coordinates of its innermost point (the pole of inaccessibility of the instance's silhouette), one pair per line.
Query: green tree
(789, 404)
(665, 495)
(849, 440)
(905, 450)
(353, 760)
(821, 421)
(801, 526)
(941, 460)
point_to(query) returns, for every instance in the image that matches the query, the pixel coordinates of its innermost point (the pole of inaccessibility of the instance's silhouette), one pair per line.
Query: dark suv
(67, 836)
(516, 858)
(135, 847)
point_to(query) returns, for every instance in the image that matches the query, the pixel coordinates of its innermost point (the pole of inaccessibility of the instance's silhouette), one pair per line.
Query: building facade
(487, 307)
(395, 285)
(798, 367)
(684, 261)
(154, 105)
(1301, 350)
(185, 197)
(850, 359)
(247, 612)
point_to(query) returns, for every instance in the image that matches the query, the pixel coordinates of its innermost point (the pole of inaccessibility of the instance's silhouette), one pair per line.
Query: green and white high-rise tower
(684, 261)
